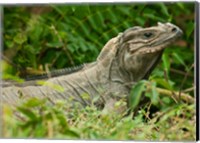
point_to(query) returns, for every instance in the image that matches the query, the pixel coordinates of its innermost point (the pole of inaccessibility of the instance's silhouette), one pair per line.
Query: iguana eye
(148, 35)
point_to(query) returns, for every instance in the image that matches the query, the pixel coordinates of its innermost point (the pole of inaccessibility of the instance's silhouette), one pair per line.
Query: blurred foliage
(39, 120)
(37, 38)
(63, 36)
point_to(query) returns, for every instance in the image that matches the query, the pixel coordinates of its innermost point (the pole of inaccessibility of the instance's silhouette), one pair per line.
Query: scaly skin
(123, 61)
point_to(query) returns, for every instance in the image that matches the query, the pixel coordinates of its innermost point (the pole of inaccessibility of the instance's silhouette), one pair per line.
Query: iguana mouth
(157, 47)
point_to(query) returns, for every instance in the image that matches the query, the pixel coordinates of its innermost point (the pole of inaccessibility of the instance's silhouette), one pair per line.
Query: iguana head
(140, 49)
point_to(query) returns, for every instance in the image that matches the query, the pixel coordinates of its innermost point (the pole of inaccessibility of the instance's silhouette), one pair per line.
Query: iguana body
(123, 61)
(54, 73)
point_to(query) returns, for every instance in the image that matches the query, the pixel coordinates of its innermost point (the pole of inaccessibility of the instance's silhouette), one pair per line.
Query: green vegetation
(39, 120)
(39, 38)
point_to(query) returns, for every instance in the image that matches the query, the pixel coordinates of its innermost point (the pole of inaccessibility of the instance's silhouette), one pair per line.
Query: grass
(43, 120)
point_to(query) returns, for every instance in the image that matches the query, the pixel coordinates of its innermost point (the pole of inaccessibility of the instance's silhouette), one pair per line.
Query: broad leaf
(166, 62)
(27, 112)
(20, 38)
(136, 93)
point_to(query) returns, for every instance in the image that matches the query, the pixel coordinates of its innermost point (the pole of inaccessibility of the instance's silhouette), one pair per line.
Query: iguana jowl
(123, 61)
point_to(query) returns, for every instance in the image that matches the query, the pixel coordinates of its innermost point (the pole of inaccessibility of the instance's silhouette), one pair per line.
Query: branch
(183, 96)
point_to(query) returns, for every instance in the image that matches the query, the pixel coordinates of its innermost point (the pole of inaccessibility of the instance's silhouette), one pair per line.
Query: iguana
(123, 61)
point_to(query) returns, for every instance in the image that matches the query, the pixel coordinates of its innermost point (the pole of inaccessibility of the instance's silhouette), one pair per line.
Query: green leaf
(111, 15)
(140, 20)
(164, 9)
(180, 5)
(39, 130)
(126, 24)
(27, 112)
(83, 47)
(71, 133)
(62, 120)
(166, 100)
(85, 96)
(9, 44)
(164, 83)
(20, 38)
(34, 102)
(120, 103)
(30, 49)
(155, 97)
(136, 93)
(100, 18)
(153, 17)
(125, 11)
(190, 28)
(6, 67)
(166, 62)
(12, 77)
(82, 26)
(58, 10)
(56, 87)
(92, 22)
(179, 59)
(55, 44)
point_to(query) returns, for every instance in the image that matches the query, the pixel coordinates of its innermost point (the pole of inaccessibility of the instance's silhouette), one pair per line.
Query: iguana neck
(112, 66)
(119, 74)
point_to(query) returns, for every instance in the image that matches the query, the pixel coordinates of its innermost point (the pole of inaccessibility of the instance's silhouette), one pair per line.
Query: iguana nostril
(174, 29)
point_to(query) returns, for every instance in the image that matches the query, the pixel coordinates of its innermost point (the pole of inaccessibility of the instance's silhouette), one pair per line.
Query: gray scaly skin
(123, 61)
